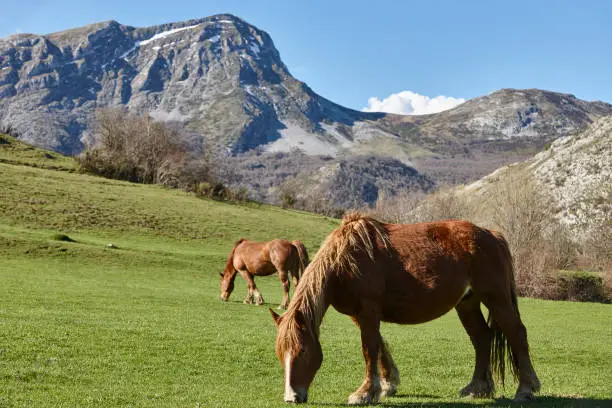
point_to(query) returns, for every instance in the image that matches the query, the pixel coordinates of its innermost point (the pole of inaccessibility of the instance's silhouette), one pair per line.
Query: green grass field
(140, 325)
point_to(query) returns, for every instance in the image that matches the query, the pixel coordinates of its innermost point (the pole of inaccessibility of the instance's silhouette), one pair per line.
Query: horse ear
(275, 316)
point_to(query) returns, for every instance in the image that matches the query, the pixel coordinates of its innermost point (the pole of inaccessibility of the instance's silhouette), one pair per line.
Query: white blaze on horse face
(290, 394)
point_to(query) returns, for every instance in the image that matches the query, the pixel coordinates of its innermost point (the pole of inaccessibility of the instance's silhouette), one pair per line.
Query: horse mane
(230, 259)
(357, 234)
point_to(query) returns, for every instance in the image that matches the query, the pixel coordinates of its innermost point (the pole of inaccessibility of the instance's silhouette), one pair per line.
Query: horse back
(431, 267)
(262, 258)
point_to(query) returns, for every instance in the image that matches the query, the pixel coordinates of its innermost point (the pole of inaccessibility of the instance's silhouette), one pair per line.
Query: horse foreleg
(389, 374)
(370, 389)
(473, 321)
(253, 295)
(284, 278)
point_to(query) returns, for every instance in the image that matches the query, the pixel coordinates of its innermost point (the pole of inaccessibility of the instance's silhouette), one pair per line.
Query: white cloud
(411, 103)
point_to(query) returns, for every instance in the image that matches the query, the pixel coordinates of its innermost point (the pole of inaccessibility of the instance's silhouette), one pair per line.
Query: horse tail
(499, 346)
(303, 260)
(230, 259)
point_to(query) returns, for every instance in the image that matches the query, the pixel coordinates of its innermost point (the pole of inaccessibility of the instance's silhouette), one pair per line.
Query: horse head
(227, 284)
(299, 351)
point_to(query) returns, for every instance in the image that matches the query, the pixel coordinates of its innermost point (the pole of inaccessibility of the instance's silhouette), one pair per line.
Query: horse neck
(229, 266)
(311, 299)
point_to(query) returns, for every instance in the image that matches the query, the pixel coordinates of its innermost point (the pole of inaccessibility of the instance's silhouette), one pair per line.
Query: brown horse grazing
(407, 274)
(263, 259)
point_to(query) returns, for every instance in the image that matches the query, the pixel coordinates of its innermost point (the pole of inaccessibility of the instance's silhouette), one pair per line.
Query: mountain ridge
(111, 64)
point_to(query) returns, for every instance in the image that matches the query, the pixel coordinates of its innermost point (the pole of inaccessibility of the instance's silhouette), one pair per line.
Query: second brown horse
(252, 259)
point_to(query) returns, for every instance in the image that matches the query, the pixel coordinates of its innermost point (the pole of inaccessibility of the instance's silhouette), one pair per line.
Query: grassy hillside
(17, 152)
(139, 325)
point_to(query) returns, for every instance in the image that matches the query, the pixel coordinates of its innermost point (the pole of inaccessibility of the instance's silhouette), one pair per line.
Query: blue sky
(351, 51)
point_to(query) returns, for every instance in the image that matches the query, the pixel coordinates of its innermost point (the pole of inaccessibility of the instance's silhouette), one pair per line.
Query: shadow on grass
(543, 401)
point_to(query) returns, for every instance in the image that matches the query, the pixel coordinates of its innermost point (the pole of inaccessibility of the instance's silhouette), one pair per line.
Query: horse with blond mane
(407, 274)
(262, 259)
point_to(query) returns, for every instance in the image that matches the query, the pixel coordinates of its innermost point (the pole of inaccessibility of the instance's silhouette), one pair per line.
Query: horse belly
(414, 305)
(261, 268)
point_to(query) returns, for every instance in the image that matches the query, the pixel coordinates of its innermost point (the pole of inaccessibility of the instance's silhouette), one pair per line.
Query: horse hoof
(536, 385)
(388, 388)
(362, 399)
(524, 396)
(477, 390)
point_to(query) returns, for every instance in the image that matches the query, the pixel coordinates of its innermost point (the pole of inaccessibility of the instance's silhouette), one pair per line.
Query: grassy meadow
(140, 325)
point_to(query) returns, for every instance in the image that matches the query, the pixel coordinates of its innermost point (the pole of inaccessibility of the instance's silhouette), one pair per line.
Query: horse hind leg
(389, 374)
(507, 322)
(481, 385)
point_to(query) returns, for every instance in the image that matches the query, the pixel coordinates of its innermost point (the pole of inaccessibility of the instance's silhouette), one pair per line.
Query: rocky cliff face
(575, 172)
(220, 76)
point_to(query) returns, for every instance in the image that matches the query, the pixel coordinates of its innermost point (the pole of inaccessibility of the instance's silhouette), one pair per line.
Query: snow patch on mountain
(295, 137)
(165, 34)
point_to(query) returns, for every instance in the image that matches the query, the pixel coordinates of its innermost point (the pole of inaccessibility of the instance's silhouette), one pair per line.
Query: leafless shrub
(411, 207)
(397, 208)
(597, 248)
(540, 247)
(135, 148)
(446, 204)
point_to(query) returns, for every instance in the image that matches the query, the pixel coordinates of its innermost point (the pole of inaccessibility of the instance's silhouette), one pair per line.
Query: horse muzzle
(224, 297)
(298, 396)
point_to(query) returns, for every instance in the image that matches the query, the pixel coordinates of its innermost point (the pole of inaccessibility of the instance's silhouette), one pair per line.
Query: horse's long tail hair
(229, 266)
(499, 345)
(303, 260)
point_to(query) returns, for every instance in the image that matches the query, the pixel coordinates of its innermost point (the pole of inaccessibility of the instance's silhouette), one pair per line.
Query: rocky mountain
(220, 76)
(223, 79)
(575, 172)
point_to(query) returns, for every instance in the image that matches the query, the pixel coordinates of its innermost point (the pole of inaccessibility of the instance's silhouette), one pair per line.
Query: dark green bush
(581, 286)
